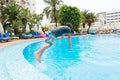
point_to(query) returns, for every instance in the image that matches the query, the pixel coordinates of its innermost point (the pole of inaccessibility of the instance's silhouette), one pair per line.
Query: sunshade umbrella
(35, 28)
(1, 28)
(27, 28)
(40, 29)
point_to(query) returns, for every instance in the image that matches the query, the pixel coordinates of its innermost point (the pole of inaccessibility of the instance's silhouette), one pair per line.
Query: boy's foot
(37, 56)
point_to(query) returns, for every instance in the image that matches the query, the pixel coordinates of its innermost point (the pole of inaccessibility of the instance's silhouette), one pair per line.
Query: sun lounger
(92, 31)
(24, 36)
(2, 39)
(35, 34)
(43, 36)
(6, 35)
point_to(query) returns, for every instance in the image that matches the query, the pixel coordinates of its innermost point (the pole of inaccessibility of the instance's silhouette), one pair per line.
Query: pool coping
(13, 65)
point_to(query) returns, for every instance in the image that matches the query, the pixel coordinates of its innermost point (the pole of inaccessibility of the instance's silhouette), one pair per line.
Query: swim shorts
(50, 37)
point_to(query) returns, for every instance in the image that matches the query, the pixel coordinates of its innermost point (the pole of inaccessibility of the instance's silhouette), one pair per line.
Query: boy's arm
(62, 36)
(70, 41)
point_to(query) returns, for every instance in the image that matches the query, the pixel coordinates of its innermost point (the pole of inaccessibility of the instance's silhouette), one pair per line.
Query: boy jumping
(51, 35)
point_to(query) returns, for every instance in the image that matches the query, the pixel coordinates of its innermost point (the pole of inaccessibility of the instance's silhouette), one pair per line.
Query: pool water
(91, 58)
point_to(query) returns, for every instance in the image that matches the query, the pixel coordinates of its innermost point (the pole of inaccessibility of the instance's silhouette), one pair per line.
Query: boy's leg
(49, 41)
(39, 53)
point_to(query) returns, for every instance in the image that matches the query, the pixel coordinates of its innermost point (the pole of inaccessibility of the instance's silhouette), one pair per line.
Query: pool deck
(13, 65)
(5, 44)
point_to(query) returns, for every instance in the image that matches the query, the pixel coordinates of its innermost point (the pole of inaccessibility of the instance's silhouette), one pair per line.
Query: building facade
(113, 16)
(101, 17)
(30, 4)
(109, 18)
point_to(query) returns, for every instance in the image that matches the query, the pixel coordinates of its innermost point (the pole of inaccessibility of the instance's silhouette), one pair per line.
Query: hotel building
(30, 4)
(108, 18)
(113, 16)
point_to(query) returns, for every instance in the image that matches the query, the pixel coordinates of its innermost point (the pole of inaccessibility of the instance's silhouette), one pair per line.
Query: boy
(51, 35)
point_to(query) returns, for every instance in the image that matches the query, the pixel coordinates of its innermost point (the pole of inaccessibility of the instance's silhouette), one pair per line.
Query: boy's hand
(70, 41)
(70, 47)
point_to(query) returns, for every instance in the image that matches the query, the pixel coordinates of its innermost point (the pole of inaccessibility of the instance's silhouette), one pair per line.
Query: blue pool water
(91, 58)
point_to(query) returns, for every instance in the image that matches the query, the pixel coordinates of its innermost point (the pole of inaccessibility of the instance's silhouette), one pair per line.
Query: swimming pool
(91, 58)
(13, 65)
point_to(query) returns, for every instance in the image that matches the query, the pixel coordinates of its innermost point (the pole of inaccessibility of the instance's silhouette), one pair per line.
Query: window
(28, 3)
(33, 4)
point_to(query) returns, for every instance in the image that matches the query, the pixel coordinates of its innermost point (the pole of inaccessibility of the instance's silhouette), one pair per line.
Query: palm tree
(2, 2)
(11, 11)
(24, 16)
(51, 9)
(3, 15)
(34, 19)
(84, 13)
(90, 18)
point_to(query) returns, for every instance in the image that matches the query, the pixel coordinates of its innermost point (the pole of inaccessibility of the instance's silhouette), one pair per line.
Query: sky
(95, 6)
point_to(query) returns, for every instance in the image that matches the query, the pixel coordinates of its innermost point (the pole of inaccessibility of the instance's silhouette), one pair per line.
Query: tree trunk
(89, 24)
(24, 23)
(16, 31)
(55, 16)
(83, 25)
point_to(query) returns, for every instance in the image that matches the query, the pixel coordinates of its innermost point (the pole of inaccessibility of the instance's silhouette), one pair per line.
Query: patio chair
(6, 35)
(43, 36)
(92, 31)
(35, 34)
(24, 36)
(2, 39)
(114, 31)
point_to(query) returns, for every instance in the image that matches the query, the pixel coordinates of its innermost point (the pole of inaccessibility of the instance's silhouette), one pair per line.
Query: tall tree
(5, 3)
(2, 3)
(90, 18)
(34, 19)
(51, 9)
(12, 11)
(24, 15)
(69, 14)
(84, 17)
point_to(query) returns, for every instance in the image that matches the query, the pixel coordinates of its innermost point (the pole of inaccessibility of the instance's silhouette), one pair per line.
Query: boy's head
(69, 25)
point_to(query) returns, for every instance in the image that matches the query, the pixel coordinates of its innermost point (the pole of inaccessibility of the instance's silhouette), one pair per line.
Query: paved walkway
(4, 44)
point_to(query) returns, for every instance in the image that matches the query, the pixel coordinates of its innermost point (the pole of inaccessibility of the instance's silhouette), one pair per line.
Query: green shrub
(69, 14)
